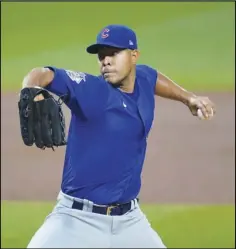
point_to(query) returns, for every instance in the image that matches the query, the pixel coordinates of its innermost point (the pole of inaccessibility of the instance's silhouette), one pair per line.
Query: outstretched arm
(167, 88)
(80, 88)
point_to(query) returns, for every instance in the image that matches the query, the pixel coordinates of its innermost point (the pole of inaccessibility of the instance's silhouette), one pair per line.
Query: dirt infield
(187, 160)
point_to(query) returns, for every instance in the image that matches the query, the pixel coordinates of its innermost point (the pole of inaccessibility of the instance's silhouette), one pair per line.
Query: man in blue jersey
(111, 116)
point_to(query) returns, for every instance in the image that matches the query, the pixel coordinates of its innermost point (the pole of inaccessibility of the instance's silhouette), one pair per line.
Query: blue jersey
(107, 134)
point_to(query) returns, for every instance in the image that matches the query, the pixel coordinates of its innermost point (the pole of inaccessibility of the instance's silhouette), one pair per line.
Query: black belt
(111, 210)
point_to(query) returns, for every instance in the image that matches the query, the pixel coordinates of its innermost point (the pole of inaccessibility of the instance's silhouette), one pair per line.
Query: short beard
(116, 85)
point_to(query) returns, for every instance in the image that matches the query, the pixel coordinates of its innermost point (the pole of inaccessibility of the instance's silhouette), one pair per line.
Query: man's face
(115, 63)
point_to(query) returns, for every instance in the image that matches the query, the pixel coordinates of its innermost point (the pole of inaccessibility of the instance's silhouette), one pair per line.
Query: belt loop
(134, 203)
(87, 205)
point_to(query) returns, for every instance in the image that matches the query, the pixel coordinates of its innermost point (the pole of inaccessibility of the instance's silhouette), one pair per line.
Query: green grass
(178, 225)
(193, 43)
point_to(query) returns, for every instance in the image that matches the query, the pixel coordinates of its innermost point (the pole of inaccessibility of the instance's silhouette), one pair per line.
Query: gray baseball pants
(65, 227)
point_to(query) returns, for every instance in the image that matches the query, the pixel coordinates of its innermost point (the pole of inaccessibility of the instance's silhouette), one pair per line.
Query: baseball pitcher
(111, 116)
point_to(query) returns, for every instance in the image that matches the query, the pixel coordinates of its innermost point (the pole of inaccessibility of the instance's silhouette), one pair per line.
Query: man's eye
(116, 52)
(101, 57)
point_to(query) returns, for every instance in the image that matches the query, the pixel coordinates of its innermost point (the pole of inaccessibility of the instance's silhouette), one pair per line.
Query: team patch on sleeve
(76, 76)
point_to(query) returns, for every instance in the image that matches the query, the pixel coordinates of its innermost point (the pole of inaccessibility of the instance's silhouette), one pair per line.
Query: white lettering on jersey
(76, 76)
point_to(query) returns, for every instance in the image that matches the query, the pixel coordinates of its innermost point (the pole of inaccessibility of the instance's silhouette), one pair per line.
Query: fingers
(213, 109)
(207, 109)
(210, 108)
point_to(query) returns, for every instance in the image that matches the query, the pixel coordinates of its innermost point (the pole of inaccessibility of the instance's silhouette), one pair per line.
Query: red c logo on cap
(105, 33)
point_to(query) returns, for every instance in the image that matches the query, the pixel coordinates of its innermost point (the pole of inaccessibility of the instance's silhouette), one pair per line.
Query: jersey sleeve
(87, 94)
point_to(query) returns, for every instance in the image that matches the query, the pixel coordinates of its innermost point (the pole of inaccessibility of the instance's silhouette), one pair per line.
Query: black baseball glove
(41, 122)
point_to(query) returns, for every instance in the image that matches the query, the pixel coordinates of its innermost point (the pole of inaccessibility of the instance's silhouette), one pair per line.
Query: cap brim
(94, 48)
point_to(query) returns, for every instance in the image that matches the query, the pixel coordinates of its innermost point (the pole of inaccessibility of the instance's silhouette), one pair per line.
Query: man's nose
(107, 60)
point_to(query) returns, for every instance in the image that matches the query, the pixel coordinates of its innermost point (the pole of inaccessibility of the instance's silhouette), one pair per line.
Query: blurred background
(188, 190)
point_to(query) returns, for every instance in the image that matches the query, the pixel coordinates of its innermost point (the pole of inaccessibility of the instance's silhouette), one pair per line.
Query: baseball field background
(188, 190)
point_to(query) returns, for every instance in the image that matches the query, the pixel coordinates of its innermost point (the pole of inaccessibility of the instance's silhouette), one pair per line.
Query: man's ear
(135, 55)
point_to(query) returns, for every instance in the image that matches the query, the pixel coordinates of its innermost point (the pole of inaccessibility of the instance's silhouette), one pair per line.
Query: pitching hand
(201, 107)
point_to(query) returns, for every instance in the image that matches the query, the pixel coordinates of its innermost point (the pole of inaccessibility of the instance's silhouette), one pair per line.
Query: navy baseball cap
(118, 36)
